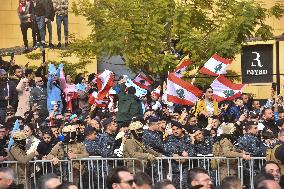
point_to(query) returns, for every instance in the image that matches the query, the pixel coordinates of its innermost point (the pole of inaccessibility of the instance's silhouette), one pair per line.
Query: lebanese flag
(180, 91)
(105, 81)
(215, 66)
(180, 69)
(157, 91)
(224, 89)
(142, 81)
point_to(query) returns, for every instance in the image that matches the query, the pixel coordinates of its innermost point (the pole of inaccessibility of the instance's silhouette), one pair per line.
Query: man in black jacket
(8, 94)
(44, 13)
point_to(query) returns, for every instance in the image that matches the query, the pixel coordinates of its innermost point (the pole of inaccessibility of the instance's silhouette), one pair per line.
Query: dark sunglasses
(130, 182)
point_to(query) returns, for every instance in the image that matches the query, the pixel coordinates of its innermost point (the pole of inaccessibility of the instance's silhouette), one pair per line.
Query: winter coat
(129, 106)
(8, 87)
(24, 98)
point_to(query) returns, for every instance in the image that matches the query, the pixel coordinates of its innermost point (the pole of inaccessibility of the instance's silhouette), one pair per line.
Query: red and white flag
(93, 99)
(215, 66)
(142, 81)
(180, 69)
(105, 81)
(157, 91)
(224, 89)
(180, 91)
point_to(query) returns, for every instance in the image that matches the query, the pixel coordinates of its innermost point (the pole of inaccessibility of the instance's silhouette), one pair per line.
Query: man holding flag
(129, 105)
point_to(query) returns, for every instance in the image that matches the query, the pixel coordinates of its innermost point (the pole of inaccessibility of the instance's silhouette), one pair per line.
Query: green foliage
(149, 33)
(34, 55)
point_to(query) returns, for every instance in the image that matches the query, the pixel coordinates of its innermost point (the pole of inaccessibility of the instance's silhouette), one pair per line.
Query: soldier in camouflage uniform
(250, 144)
(178, 145)
(227, 149)
(18, 153)
(133, 148)
(70, 149)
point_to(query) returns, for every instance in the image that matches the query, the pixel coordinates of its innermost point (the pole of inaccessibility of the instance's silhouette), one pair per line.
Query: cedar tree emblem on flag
(229, 93)
(180, 93)
(218, 68)
(215, 66)
(142, 82)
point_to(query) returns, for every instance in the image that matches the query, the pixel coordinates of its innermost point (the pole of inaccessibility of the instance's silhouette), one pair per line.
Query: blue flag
(15, 128)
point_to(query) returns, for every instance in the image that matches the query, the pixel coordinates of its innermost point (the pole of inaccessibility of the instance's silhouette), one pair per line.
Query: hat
(135, 126)
(153, 119)
(19, 135)
(227, 128)
(89, 130)
(2, 71)
(177, 124)
(68, 129)
(107, 121)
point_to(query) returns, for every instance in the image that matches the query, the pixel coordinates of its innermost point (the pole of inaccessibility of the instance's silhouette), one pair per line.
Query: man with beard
(178, 145)
(18, 153)
(133, 148)
(8, 94)
(268, 120)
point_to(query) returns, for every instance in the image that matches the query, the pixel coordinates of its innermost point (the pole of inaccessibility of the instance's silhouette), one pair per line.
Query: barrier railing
(91, 173)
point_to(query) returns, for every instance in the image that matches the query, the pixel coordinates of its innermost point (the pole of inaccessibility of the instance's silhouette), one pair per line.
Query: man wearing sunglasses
(120, 178)
(38, 96)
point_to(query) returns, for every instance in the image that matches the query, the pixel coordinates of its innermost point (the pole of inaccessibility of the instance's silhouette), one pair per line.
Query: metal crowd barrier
(91, 173)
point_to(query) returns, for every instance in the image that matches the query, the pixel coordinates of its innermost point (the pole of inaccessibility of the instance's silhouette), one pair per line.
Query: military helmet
(227, 128)
(19, 135)
(135, 126)
(69, 129)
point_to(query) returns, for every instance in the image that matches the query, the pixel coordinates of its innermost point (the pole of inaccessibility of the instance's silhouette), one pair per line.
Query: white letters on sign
(257, 59)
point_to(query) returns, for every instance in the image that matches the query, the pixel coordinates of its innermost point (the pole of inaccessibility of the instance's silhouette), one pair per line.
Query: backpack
(216, 153)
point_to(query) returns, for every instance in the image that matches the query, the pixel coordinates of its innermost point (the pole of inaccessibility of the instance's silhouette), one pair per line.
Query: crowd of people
(59, 119)
(39, 15)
